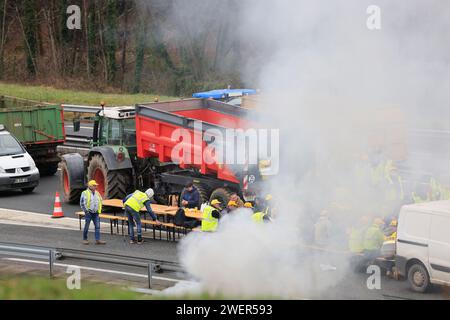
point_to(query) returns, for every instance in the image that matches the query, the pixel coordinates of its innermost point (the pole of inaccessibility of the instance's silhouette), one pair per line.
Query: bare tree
(3, 36)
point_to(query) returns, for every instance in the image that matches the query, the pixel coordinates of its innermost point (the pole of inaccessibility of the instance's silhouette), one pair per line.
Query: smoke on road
(339, 93)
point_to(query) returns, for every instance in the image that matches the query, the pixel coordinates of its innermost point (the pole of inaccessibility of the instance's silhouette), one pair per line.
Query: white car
(17, 168)
(423, 244)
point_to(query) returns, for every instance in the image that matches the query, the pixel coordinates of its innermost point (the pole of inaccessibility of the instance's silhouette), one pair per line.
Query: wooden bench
(110, 217)
(171, 228)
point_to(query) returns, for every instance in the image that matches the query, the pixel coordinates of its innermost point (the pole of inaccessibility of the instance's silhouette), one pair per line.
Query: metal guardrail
(79, 108)
(30, 252)
(51, 254)
(78, 141)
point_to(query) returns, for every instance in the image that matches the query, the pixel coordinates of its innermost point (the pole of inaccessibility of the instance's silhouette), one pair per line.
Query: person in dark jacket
(191, 197)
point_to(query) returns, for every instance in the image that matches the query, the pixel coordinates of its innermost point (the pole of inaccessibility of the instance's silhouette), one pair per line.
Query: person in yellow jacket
(91, 204)
(438, 191)
(260, 217)
(390, 232)
(356, 243)
(356, 236)
(133, 203)
(373, 239)
(421, 193)
(211, 216)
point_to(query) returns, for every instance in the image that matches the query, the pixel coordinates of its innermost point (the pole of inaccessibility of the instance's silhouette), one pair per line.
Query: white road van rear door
(439, 247)
(413, 235)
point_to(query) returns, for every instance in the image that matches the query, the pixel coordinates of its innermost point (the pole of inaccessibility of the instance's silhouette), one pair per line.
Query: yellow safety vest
(209, 223)
(136, 201)
(356, 240)
(417, 199)
(374, 238)
(88, 194)
(258, 217)
(392, 237)
(436, 193)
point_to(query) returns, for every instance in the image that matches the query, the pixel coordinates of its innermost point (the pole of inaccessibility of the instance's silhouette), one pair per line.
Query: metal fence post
(150, 271)
(51, 260)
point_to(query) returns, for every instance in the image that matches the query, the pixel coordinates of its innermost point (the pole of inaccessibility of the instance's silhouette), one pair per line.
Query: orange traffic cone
(57, 211)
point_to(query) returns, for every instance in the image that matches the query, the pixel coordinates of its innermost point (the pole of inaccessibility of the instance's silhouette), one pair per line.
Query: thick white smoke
(331, 85)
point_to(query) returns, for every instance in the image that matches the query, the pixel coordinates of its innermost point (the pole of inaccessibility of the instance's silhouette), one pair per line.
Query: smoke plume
(341, 95)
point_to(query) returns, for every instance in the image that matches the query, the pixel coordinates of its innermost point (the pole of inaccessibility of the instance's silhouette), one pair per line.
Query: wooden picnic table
(159, 209)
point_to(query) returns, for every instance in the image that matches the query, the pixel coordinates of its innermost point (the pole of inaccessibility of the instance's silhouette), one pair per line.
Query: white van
(17, 168)
(423, 244)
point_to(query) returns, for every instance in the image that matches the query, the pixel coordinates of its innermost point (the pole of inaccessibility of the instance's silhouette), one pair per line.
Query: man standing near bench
(133, 204)
(91, 204)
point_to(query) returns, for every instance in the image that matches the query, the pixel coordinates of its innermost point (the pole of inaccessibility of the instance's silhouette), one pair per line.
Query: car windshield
(9, 145)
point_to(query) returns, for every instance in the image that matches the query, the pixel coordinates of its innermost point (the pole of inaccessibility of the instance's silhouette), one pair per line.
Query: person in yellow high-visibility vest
(260, 217)
(91, 204)
(211, 216)
(133, 204)
(373, 239)
(421, 193)
(356, 243)
(438, 191)
(356, 235)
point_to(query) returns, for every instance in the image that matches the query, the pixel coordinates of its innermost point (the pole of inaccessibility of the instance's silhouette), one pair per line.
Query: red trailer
(165, 145)
(177, 135)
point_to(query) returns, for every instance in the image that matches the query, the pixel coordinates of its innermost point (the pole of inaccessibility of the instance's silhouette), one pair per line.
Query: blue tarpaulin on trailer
(224, 93)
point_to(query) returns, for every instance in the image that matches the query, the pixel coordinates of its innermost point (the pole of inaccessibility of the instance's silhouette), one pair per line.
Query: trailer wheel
(203, 192)
(48, 169)
(69, 195)
(111, 184)
(221, 194)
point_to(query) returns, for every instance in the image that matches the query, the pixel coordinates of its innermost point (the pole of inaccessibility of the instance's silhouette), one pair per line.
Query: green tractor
(110, 158)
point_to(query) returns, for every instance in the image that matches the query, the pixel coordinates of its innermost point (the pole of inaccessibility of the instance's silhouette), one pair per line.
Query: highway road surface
(40, 201)
(353, 286)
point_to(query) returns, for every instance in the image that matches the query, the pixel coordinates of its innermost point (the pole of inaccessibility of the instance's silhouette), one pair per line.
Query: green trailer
(39, 127)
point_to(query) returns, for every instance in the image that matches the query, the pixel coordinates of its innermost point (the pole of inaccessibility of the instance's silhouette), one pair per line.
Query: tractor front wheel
(69, 194)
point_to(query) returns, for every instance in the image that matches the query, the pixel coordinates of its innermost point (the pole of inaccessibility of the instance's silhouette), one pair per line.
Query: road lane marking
(95, 269)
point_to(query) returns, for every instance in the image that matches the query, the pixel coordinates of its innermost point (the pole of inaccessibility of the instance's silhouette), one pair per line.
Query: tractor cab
(115, 127)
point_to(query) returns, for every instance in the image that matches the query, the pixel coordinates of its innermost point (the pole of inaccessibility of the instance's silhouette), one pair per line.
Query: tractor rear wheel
(111, 184)
(69, 194)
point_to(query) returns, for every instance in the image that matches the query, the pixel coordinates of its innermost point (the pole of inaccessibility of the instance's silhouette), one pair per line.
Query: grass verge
(52, 95)
(38, 288)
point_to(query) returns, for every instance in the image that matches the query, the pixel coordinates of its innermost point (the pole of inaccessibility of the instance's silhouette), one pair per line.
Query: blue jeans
(133, 217)
(96, 219)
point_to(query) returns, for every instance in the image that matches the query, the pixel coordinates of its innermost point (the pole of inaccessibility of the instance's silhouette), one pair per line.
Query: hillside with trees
(170, 47)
